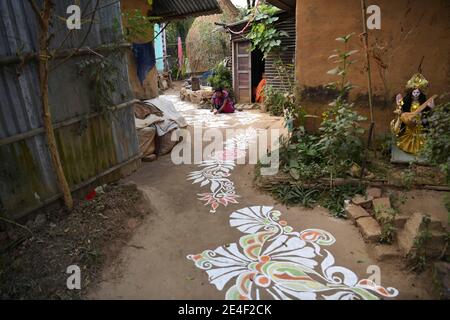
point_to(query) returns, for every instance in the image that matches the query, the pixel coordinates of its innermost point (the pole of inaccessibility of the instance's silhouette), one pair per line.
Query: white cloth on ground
(148, 121)
(172, 118)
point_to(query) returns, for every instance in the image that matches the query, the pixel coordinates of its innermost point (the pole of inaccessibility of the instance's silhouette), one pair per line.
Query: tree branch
(83, 41)
(44, 56)
(71, 31)
(37, 11)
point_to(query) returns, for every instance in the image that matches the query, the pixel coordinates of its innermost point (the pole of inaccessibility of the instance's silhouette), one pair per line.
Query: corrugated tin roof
(283, 4)
(178, 9)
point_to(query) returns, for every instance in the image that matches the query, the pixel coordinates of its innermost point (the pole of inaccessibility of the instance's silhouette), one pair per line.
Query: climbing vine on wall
(101, 74)
(137, 25)
(263, 34)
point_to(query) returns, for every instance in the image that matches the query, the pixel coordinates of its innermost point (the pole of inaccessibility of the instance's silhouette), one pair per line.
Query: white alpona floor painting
(216, 172)
(271, 260)
(206, 119)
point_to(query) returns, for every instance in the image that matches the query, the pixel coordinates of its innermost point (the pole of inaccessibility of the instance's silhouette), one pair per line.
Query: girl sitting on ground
(222, 102)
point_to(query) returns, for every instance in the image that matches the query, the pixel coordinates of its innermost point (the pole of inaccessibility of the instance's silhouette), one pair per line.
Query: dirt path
(255, 251)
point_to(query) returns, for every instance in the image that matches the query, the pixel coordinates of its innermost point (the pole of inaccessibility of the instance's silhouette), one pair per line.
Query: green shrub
(384, 143)
(339, 144)
(302, 160)
(341, 131)
(274, 101)
(437, 144)
(221, 77)
(386, 217)
(340, 137)
(334, 198)
(295, 194)
(332, 152)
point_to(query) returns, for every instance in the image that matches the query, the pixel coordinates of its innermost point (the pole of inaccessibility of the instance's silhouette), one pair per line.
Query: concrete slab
(401, 157)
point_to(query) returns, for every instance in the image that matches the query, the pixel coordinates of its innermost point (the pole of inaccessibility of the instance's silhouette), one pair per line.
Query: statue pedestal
(401, 157)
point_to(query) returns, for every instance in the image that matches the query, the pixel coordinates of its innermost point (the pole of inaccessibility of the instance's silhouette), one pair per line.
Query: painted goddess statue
(412, 112)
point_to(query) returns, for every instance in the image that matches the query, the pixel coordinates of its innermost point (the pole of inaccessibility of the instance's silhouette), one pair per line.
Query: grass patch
(332, 198)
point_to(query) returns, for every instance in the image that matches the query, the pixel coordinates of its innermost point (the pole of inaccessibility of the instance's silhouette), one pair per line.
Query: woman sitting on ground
(221, 102)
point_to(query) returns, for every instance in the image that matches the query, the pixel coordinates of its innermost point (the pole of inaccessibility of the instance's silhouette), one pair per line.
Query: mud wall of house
(413, 33)
(149, 88)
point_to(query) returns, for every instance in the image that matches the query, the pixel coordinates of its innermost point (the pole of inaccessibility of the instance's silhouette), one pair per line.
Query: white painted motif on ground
(272, 260)
(205, 118)
(215, 172)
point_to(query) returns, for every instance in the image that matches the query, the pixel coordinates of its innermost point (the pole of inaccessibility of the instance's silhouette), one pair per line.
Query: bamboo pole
(61, 124)
(44, 18)
(369, 72)
(60, 54)
(77, 187)
(369, 81)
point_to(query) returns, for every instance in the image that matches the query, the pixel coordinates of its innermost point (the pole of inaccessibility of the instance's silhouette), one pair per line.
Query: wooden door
(242, 66)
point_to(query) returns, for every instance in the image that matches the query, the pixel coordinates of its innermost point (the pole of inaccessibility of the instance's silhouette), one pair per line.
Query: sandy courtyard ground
(263, 250)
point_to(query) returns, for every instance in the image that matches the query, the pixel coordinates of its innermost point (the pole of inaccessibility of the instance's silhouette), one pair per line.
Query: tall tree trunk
(44, 17)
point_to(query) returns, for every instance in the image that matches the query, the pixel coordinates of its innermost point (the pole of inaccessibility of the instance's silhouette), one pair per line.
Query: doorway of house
(248, 69)
(258, 67)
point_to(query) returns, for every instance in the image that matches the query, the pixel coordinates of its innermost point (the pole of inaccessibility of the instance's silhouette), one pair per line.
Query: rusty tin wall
(287, 55)
(87, 148)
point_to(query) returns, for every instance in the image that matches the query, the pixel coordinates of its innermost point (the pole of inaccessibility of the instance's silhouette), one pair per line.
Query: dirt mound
(89, 237)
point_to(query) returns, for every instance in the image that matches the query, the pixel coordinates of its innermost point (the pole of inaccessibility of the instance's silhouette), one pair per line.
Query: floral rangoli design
(205, 118)
(272, 260)
(216, 172)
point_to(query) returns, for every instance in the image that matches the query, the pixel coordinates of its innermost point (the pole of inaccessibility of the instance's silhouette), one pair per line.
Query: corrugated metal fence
(89, 144)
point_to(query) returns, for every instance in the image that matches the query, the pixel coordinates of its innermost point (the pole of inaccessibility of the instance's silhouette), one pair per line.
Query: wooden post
(369, 81)
(44, 18)
(369, 73)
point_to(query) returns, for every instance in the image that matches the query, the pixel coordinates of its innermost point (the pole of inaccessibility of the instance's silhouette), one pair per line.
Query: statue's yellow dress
(412, 139)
